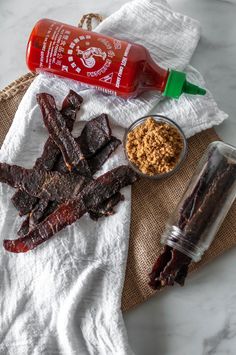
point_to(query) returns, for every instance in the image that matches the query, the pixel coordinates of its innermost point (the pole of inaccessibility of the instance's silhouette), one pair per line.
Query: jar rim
(175, 238)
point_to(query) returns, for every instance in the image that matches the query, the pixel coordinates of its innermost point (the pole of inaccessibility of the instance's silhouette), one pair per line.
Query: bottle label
(84, 54)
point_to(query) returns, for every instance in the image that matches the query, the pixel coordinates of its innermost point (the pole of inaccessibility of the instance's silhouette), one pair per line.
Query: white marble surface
(201, 317)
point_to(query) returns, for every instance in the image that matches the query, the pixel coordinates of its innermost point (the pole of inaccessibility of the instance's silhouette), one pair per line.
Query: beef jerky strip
(55, 123)
(51, 207)
(71, 104)
(34, 218)
(37, 213)
(23, 202)
(24, 228)
(172, 256)
(21, 199)
(43, 184)
(171, 266)
(95, 134)
(196, 216)
(157, 268)
(202, 218)
(51, 152)
(104, 210)
(192, 202)
(94, 194)
(176, 270)
(41, 211)
(96, 161)
(106, 207)
(70, 107)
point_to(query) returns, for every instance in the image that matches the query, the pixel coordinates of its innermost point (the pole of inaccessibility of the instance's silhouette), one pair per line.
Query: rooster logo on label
(87, 55)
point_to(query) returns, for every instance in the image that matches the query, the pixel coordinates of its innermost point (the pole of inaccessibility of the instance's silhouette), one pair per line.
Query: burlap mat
(152, 202)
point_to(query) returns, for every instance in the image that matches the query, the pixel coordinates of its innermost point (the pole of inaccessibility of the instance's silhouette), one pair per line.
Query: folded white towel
(64, 297)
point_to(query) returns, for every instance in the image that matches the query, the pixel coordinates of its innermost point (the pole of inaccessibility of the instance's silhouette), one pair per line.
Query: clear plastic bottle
(205, 203)
(109, 64)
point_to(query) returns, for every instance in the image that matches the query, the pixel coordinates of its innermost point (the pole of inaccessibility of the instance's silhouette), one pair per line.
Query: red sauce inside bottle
(108, 64)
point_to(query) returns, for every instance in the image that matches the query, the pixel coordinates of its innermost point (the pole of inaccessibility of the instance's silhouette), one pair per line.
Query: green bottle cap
(177, 84)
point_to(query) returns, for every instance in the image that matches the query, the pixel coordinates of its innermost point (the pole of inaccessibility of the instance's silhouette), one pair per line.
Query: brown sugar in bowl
(155, 146)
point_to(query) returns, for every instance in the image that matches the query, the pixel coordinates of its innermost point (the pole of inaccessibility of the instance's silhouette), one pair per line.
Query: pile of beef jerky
(60, 188)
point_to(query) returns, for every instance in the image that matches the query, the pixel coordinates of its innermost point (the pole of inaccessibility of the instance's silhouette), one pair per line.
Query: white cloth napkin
(64, 297)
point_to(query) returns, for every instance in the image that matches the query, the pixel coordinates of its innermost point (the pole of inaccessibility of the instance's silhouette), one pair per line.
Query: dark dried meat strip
(13, 174)
(38, 212)
(88, 136)
(94, 194)
(96, 161)
(24, 228)
(51, 152)
(71, 104)
(202, 218)
(23, 202)
(173, 269)
(43, 184)
(32, 219)
(182, 273)
(171, 266)
(158, 267)
(55, 123)
(166, 257)
(203, 204)
(51, 207)
(70, 107)
(95, 164)
(193, 201)
(43, 209)
(97, 132)
(107, 207)
(49, 156)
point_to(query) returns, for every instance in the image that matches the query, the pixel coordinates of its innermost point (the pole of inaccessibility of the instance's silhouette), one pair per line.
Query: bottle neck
(177, 239)
(153, 77)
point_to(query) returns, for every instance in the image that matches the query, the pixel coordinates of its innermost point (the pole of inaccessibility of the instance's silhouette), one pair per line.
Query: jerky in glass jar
(198, 216)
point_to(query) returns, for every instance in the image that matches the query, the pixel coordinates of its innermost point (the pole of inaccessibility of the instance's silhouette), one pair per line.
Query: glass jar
(205, 202)
(159, 119)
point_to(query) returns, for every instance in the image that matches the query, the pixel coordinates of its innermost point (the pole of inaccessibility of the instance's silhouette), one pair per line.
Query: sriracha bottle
(109, 64)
